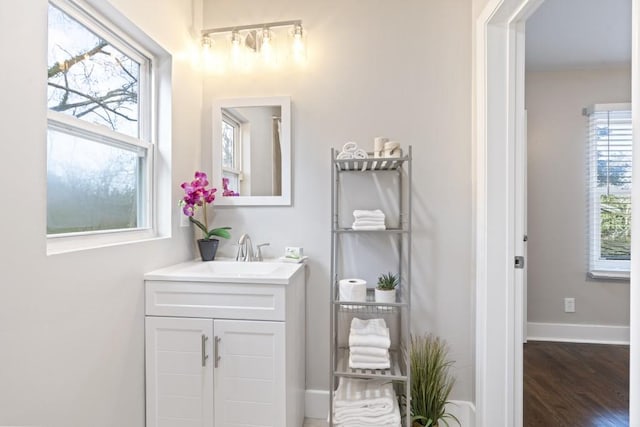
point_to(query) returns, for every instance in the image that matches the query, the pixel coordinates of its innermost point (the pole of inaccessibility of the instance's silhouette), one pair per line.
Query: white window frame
(104, 27)
(237, 148)
(601, 268)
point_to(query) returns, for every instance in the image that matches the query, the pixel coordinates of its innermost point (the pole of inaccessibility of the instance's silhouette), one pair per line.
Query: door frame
(498, 84)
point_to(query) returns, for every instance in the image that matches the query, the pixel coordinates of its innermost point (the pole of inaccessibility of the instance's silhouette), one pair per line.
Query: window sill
(68, 244)
(609, 275)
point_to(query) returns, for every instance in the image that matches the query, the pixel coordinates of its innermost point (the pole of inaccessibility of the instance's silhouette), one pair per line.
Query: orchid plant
(197, 195)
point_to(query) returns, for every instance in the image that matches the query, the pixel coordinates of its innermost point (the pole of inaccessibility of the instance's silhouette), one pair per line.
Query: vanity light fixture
(248, 42)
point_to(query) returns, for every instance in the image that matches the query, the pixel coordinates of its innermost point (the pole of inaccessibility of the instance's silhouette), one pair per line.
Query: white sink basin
(228, 272)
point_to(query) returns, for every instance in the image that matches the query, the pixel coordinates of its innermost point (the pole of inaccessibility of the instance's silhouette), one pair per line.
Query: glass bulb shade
(299, 46)
(236, 53)
(211, 60)
(266, 48)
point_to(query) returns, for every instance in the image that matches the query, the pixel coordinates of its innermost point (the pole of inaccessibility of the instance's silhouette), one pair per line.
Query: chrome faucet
(245, 250)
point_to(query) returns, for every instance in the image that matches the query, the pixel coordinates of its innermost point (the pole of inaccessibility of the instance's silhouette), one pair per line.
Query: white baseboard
(316, 405)
(566, 332)
(464, 411)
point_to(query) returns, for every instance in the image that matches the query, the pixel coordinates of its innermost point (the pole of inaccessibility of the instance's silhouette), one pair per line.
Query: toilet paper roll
(352, 290)
(392, 149)
(378, 145)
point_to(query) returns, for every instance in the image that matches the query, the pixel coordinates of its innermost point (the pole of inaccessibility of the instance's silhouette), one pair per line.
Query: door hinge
(519, 262)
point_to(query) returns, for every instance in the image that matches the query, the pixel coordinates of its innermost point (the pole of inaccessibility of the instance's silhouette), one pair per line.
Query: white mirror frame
(284, 102)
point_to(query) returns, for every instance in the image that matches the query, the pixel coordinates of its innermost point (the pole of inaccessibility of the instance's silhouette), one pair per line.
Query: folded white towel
(362, 418)
(362, 365)
(367, 425)
(372, 214)
(359, 393)
(365, 222)
(368, 227)
(365, 403)
(363, 358)
(369, 351)
(375, 326)
(369, 340)
(369, 333)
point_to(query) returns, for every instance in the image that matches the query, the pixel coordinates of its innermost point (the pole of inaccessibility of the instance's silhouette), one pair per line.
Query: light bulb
(211, 60)
(236, 49)
(266, 49)
(298, 46)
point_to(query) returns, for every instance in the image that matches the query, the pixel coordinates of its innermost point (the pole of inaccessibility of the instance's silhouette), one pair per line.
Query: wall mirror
(252, 151)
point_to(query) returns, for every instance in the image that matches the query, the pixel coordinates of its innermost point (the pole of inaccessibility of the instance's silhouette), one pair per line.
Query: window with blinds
(609, 190)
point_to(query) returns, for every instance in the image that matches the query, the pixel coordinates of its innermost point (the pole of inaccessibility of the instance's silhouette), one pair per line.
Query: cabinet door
(249, 380)
(179, 372)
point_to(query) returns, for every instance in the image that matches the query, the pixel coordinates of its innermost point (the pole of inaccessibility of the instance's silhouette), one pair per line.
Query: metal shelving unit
(396, 315)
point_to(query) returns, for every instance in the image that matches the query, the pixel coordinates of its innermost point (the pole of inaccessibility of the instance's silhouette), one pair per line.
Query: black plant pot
(208, 249)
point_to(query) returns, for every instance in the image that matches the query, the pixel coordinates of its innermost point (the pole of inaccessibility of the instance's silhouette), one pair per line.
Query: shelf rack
(396, 314)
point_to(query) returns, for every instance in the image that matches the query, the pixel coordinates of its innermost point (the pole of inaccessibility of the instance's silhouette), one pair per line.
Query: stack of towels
(369, 344)
(368, 220)
(365, 403)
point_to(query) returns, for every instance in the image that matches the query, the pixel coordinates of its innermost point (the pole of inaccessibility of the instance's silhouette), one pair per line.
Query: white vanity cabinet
(224, 354)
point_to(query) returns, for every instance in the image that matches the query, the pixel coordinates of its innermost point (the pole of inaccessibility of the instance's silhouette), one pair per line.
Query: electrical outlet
(569, 305)
(184, 220)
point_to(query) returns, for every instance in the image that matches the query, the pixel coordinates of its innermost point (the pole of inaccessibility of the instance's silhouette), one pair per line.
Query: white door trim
(634, 371)
(497, 326)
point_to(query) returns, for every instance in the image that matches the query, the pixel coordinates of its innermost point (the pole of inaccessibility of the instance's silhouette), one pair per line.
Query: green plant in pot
(386, 288)
(431, 382)
(197, 195)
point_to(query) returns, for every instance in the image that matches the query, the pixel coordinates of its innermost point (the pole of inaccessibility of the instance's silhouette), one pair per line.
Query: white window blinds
(609, 189)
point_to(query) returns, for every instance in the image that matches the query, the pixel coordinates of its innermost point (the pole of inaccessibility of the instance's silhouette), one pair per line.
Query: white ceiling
(565, 34)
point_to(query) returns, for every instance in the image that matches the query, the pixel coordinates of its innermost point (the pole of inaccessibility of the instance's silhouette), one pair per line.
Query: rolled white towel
(345, 155)
(350, 146)
(368, 351)
(360, 154)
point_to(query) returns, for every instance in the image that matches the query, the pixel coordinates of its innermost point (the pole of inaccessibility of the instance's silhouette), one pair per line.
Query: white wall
(557, 245)
(72, 325)
(375, 68)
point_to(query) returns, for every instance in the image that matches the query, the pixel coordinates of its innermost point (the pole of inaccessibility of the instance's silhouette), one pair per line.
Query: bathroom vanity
(225, 344)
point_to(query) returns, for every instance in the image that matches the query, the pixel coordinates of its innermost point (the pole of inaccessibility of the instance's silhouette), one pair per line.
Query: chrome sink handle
(259, 251)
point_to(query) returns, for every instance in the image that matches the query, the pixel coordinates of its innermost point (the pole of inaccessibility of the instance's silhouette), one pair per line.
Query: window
(231, 151)
(99, 143)
(609, 187)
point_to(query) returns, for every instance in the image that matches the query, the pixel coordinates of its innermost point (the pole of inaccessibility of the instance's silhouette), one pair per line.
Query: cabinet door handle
(216, 344)
(204, 350)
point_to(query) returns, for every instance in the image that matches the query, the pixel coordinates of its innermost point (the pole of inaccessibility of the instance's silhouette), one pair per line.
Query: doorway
(499, 37)
(577, 61)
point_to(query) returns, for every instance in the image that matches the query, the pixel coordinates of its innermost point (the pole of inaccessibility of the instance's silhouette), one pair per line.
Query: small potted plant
(431, 382)
(197, 195)
(386, 288)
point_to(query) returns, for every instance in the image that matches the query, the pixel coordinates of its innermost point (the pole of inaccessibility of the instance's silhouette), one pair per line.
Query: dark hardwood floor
(576, 385)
